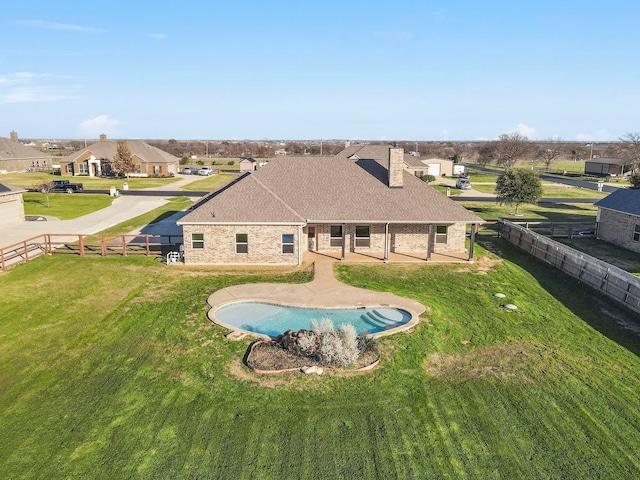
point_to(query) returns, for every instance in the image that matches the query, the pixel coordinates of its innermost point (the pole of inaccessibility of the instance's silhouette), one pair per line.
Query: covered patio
(378, 257)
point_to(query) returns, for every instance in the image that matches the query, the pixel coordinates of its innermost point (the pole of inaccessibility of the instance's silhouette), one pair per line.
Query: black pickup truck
(66, 186)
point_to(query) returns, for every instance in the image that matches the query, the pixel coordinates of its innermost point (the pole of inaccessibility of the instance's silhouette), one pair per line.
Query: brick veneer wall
(412, 238)
(617, 228)
(264, 245)
(17, 203)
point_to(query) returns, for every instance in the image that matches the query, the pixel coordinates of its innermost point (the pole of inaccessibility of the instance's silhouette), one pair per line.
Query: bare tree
(549, 152)
(630, 149)
(511, 148)
(46, 187)
(487, 153)
(123, 160)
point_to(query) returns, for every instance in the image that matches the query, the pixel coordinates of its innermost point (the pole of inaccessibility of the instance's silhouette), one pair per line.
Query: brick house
(330, 205)
(618, 218)
(11, 205)
(16, 157)
(96, 159)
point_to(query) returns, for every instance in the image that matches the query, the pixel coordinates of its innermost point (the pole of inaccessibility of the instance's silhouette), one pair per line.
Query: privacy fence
(612, 281)
(82, 244)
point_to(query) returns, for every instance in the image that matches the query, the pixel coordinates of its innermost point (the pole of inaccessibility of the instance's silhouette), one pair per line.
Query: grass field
(112, 371)
(210, 183)
(29, 179)
(552, 212)
(63, 205)
(174, 205)
(550, 191)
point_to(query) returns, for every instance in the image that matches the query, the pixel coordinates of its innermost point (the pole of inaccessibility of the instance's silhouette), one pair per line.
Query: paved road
(121, 209)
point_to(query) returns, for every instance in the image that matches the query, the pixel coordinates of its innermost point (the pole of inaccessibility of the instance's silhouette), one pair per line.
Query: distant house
(618, 218)
(97, 158)
(247, 165)
(16, 157)
(11, 205)
(332, 205)
(607, 166)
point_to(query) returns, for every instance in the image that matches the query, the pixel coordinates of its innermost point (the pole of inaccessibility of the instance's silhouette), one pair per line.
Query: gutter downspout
(344, 234)
(474, 227)
(386, 242)
(299, 245)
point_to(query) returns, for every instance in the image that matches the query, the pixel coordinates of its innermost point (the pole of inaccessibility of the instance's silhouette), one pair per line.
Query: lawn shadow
(603, 314)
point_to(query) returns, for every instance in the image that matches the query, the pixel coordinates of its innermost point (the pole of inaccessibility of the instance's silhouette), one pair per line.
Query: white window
(441, 234)
(157, 169)
(287, 243)
(242, 243)
(363, 236)
(83, 169)
(197, 240)
(636, 233)
(336, 236)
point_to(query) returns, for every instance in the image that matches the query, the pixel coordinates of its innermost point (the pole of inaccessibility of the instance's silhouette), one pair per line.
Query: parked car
(66, 186)
(463, 184)
(205, 171)
(189, 171)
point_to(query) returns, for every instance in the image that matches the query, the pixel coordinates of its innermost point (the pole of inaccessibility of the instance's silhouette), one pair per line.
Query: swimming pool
(273, 320)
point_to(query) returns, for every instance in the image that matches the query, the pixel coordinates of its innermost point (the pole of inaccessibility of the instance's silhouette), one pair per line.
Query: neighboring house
(16, 157)
(618, 218)
(607, 166)
(96, 160)
(328, 205)
(438, 167)
(11, 205)
(247, 165)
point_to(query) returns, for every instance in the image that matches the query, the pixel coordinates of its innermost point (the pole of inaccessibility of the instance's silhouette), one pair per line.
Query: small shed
(247, 165)
(11, 205)
(618, 218)
(607, 166)
(438, 167)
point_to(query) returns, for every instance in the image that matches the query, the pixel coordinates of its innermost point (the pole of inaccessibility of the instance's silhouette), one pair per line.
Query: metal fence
(611, 281)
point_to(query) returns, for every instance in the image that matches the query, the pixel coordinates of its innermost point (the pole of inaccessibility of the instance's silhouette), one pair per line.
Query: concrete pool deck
(323, 291)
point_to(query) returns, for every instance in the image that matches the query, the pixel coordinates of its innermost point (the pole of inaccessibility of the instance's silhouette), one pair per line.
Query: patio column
(474, 227)
(430, 242)
(386, 243)
(344, 234)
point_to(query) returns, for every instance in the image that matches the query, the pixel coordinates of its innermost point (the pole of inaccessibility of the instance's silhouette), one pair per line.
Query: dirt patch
(240, 371)
(505, 361)
(271, 356)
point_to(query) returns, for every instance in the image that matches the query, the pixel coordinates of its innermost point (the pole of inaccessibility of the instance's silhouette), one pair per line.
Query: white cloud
(20, 87)
(97, 125)
(526, 130)
(156, 36)
(57, 26)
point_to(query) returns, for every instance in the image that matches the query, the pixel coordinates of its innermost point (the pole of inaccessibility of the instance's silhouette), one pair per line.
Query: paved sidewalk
(323, 291)
(121, 209)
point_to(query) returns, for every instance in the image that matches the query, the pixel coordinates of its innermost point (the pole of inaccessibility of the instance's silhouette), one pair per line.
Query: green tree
(517, 186)
(123, 160)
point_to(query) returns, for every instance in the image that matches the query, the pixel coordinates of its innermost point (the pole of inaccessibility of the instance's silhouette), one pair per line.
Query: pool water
(273, 320)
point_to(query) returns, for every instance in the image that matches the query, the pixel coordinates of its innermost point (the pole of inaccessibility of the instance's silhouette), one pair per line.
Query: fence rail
(611, 281)
(83, 244)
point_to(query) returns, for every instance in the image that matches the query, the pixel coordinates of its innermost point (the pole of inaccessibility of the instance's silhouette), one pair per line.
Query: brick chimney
(14, 135)
(396, 167)
(103, 137)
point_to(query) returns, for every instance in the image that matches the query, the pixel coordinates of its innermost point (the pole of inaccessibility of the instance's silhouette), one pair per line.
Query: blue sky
(402, 70)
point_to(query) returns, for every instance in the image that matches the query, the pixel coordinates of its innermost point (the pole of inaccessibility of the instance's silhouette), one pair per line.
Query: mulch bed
(270, 356)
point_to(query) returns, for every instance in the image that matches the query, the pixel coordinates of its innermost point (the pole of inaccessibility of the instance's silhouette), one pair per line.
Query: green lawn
(63, 205)
(210, 183)
(174, 205)
(552, 212)
(550, 191)
(29, 179)
(113, 371)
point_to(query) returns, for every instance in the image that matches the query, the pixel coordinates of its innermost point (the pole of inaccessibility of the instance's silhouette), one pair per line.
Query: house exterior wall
(11, 208)
(618, 228)
(264, 244)
(9, 165)
(408, 238)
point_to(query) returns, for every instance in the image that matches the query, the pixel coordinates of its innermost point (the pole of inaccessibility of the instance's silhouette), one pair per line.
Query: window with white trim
(242, 243)
(83, 169)
(287, 243)
(636, 233)
(441, 234)
(197, 241)
(336, 236)
(363, 236)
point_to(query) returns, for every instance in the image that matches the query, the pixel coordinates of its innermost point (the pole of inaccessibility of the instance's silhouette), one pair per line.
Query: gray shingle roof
(6, 189)
(625, 200)
(328, 189)
(107, 149)
(368, 152)
(610, 161)
(10, 149)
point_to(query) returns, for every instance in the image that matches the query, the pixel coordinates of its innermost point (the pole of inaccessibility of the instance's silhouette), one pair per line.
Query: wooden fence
(560, 229)
(83, 244)
(611, 281)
